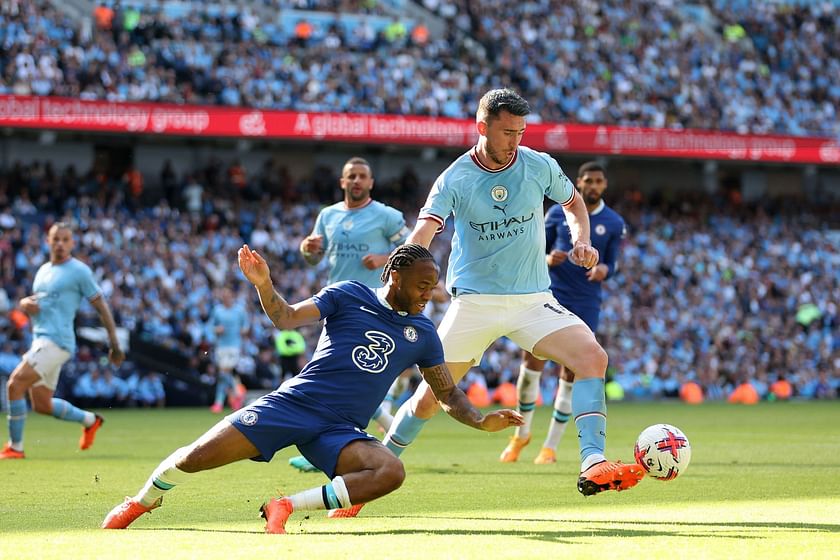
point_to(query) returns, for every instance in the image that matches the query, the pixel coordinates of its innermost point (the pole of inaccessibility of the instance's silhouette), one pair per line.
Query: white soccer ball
(663, 450)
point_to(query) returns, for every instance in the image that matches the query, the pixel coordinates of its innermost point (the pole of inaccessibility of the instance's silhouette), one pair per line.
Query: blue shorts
(586, 313)
(278, 420)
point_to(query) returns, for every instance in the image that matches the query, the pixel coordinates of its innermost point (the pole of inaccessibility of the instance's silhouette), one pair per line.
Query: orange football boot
(609, 475)
(352, 511)
(89, 433)
(511, 452)
(275, 512)
(125, 513)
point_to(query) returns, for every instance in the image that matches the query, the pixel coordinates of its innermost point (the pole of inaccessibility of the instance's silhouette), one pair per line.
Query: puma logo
(501, 209)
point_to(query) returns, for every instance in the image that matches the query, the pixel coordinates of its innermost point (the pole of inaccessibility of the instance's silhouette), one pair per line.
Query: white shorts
(474, 321)
(46, 357)
(227, 358)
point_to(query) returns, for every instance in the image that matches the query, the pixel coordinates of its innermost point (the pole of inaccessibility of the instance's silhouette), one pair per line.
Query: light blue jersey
(59, 289)
(233, 319)
(351, 233)
(498, 246)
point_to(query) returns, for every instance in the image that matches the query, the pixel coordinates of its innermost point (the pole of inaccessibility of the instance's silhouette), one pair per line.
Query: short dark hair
(403, 257)
(357, 161)
(62, 225)
(590, 166)
(497, 100)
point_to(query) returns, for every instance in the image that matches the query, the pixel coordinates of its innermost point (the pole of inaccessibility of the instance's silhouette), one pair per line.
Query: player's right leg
(416, 411)
(575, 346)
(22, 378)
(527, 392)
(465, 332)
(221, 445)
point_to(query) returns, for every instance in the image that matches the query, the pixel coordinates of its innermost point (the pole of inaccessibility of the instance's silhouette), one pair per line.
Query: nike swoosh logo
(371, 311)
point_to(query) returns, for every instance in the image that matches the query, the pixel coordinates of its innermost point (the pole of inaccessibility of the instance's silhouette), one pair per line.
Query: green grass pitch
(764, 482)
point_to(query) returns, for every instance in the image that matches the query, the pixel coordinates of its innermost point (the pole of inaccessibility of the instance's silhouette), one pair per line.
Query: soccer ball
(663, 451)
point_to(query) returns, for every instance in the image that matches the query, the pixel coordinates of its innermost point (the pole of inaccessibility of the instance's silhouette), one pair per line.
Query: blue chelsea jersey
(363, 347)
(59, 290)
(568, 281)
(351, 233)
(498, 246)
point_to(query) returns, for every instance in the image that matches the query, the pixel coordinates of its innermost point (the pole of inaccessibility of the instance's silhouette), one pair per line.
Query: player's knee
(598, 360)
(42, 407)
(391, 475)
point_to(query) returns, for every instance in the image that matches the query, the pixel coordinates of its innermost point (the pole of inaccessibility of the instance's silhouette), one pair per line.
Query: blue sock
(17, 418)
(224, 383)
(590, 411)
(63, 410)
(404, 429)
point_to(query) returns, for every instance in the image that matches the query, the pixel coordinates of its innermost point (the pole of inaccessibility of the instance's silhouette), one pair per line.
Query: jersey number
(373, 358)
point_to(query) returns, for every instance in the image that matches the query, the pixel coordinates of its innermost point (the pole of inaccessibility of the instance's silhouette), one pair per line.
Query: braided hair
(403, 257)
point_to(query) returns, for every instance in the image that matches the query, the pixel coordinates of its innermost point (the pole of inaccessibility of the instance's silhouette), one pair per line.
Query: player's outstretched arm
(283, 315)
(423, 232)
(456, 404)
(115, 354)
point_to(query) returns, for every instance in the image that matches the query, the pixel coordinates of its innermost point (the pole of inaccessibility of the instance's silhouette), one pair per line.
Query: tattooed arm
(456, 404)
(283, 315)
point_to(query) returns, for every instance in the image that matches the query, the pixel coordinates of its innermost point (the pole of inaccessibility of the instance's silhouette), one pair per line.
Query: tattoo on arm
(452, 399)
(274, 306)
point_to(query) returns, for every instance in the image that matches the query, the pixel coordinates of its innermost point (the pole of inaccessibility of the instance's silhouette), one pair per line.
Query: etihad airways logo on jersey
(501, 229)
(348, 247)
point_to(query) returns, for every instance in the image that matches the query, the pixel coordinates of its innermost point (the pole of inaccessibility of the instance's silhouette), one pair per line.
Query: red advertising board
(55, 113)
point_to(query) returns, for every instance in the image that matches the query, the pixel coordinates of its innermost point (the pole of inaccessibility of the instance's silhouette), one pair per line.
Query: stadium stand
(714, 65)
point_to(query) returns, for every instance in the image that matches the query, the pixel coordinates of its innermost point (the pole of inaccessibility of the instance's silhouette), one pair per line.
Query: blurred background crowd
(733, 65)
(709, 289)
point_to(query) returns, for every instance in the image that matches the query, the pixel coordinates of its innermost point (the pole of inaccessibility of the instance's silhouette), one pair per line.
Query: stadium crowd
(757, 67)
(708, 290)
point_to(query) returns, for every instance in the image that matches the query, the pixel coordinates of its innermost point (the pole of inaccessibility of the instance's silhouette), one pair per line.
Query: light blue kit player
(369, 338)
(578, 290)
(58, 290)
(356, 235)
(229, 323)
(499, 281)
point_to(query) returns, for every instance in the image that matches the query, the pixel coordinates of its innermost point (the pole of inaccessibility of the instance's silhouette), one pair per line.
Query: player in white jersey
(58, 289)
(356, 236)
(499, 281)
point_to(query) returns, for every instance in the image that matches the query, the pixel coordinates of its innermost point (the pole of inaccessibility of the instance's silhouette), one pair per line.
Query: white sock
(163, 479)
(527, 391)
(89, 419)
(561, 414)
(591, 460)
(383, 416)
(329, 496)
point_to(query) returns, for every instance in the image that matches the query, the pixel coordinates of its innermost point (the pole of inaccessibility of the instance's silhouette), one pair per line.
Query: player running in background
(499, 281)
(578, 290)
(356, 235)
(369, 338)
(229, 323)
(58, 289)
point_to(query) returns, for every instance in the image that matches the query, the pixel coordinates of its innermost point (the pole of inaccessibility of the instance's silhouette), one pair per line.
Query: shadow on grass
(588, 529)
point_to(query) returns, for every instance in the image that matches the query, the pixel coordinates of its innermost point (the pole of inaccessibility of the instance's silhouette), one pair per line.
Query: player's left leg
(221, 445)
(575, 347)
(527, 391)
(43, 402)
(365, 471)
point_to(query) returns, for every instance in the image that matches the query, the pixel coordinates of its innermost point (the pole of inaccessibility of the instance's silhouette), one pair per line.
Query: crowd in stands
(708, 290)
(757, 67)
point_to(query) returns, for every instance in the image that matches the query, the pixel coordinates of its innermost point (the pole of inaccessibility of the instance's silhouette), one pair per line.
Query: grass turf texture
(763, 483)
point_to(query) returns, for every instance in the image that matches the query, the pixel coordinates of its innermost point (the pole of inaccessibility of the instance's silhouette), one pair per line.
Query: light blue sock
(404, 429)
(63, 410)
(17, 418)
(224, 383)
(590, 411)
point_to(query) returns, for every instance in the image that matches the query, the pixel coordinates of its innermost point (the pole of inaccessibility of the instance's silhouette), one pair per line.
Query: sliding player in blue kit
(578, 290)
(499, 280)
(356, 236)
(369, 338)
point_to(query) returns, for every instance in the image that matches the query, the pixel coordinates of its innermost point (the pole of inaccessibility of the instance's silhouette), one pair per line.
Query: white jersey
(498, 246)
